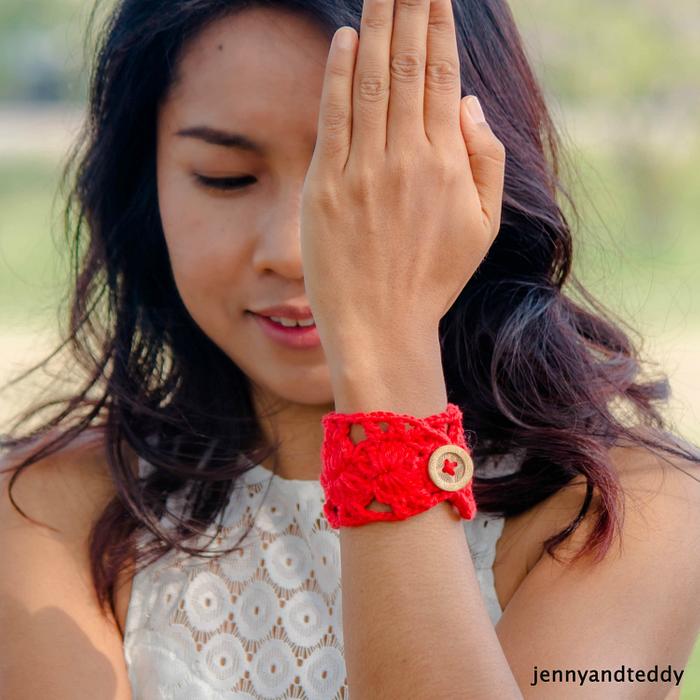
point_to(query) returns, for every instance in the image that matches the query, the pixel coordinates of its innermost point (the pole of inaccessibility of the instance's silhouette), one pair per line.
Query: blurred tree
(41, 50)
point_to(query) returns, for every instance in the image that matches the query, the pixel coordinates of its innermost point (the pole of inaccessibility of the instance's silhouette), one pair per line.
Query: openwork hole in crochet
(374, 466)
(357, 431)
(357, 434)
(381, 507)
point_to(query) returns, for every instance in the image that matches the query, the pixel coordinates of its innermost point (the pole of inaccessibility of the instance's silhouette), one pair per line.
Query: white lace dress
(265, 621)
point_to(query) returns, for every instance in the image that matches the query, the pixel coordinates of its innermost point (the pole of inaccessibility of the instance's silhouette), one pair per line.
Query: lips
(291, 337)
(295, 327)
(297, 313)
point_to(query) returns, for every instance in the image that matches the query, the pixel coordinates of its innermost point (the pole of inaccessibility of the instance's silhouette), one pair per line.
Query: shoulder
(660, 483)
(65, 490)
(659, 499)
(46, 590)
(657, 489)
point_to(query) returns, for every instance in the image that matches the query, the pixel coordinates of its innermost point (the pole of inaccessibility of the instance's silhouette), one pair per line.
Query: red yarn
(390, 465)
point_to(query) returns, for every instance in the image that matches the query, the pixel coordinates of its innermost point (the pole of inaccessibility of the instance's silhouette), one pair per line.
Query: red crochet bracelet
(411, 466)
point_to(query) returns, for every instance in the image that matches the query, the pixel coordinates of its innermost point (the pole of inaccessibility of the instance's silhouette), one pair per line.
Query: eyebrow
(217, 137)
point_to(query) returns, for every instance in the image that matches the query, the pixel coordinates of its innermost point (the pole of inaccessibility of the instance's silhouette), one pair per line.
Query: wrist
(399, 376)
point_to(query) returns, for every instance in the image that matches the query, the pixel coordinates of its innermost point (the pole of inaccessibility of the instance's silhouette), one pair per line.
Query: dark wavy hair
(532, 369)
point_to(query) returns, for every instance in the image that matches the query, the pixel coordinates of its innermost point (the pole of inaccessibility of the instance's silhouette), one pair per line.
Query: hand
(402, 199)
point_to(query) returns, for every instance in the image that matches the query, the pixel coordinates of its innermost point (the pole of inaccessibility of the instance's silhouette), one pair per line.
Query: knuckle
(360, 181)
(337, 70)
(446, 170)
(442, 74)
(440, 25)
(401, 165)
(406, 65)
(376, 23)
(335, 147)
(371, 87)
(484, 130)
(324, 194)
(491, 159)
(411, 4)
(335, 118)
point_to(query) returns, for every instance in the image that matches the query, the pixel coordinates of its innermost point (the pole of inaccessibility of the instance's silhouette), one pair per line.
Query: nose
(278, 238)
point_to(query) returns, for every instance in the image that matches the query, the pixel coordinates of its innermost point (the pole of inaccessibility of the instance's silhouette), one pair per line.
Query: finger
(442, 77)
(407, 71)
(487, 159)
(335, 110)
(371, 86)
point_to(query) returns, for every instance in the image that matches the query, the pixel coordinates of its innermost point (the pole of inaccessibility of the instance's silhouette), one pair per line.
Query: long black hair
(534, 361)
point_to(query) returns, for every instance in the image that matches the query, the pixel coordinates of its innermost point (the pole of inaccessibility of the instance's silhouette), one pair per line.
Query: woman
(234, 162)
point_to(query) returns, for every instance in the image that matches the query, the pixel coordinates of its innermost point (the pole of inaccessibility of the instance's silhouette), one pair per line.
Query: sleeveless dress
(265, 620)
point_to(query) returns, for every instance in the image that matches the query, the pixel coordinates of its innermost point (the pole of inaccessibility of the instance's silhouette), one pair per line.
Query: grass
(32, 262)
(690, 689)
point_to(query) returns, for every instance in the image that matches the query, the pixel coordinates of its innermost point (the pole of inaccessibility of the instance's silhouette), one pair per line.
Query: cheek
(205, 248)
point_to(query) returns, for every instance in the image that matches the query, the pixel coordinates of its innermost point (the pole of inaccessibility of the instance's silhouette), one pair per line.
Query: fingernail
(474, 108)
(345, 38)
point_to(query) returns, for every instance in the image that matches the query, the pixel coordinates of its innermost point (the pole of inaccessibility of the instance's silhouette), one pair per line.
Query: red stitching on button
(449, 467)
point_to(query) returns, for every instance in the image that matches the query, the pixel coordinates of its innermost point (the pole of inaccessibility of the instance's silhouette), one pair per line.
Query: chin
(308, 388)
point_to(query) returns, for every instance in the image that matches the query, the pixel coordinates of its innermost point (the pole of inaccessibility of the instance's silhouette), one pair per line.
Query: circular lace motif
(323, 673)
(276, 513)
(255, 610)
(222, 661)
(288, 561)
(241, 564)
(206, 601)
(305, 618)
(273, 669)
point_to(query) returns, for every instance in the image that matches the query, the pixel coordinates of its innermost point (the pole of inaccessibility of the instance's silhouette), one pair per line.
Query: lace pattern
(266, 620)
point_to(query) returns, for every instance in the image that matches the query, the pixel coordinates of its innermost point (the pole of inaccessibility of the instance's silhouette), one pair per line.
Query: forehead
(257, 67)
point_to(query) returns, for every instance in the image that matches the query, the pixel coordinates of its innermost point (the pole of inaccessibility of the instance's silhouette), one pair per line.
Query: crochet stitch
(389, 465)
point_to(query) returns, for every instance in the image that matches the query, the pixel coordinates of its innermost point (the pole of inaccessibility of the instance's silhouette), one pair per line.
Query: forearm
(415, 625)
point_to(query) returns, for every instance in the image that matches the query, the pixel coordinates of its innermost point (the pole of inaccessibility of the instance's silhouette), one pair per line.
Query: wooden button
(450, 467)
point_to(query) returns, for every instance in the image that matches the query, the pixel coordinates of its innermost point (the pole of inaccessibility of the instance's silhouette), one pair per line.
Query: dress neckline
(259, 473)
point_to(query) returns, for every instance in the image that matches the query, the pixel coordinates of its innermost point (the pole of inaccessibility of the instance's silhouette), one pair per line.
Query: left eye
(225, 183)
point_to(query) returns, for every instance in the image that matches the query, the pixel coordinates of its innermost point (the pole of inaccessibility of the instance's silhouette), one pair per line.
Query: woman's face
(258, 74)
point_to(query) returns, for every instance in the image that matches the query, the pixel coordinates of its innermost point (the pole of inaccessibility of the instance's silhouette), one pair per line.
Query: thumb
(487, 159)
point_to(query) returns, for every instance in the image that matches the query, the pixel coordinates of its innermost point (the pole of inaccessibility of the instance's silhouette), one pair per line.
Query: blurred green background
(623, 82)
